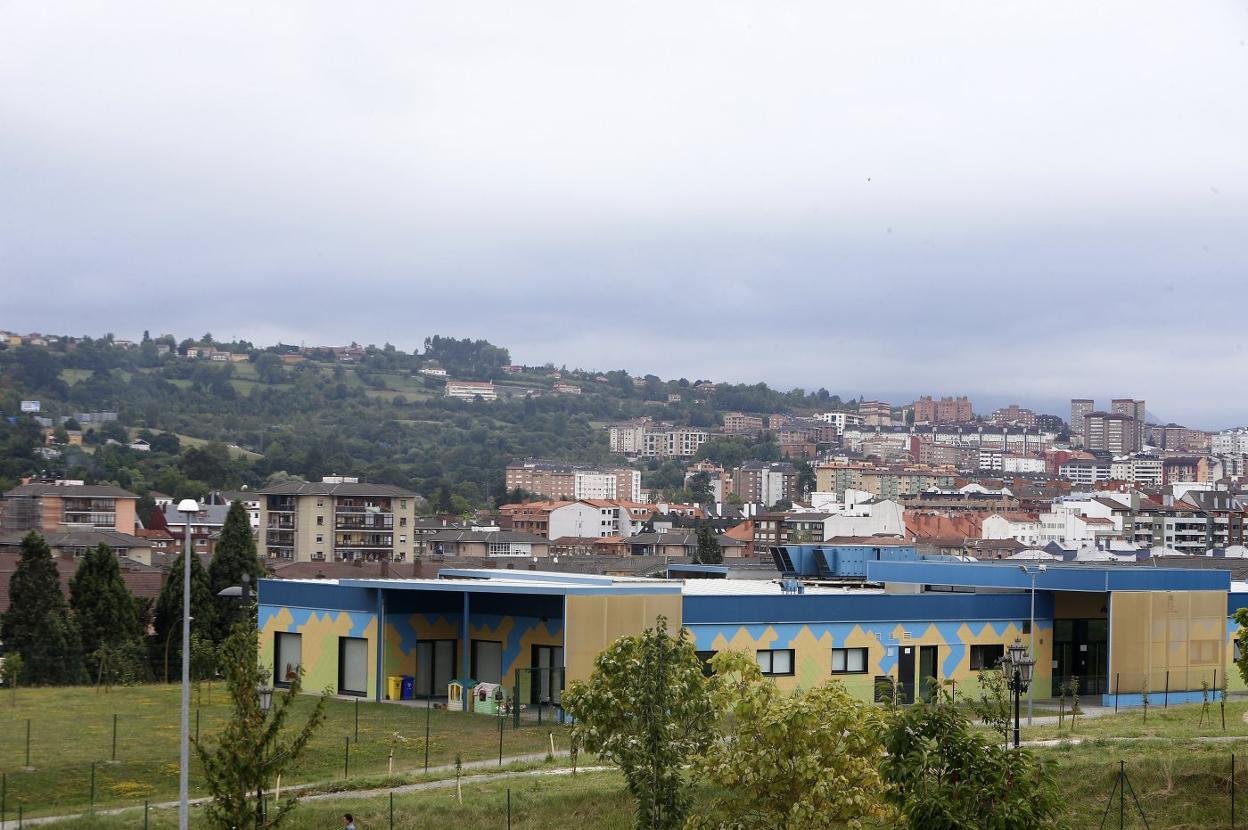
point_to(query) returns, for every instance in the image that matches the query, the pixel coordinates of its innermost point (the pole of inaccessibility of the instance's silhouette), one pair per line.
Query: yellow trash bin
(394, 687)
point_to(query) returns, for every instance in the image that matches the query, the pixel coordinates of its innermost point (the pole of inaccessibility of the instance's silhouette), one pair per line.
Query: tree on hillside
(708, 552)
(699, 487)
(166, 646)
(104, 610)
(809, 759)
(255, 747)
(38, 625)
(941, 772)
(234, 555)
(648, 709)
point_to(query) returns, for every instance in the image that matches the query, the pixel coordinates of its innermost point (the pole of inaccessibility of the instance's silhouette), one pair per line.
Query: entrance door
(905, 674)
(547, 682)
(487, 661)
(435, 667)
(352, 666)
(927, 673)
(1080, 650)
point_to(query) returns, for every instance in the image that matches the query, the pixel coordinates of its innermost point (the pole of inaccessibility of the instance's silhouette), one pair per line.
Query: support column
(464, 663)
(380, 629)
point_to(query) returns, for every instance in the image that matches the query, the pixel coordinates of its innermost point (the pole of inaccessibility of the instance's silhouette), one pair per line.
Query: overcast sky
(1015, 200)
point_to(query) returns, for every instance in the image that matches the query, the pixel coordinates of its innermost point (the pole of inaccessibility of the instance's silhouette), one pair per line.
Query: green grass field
(72, 728)
(1174, 722)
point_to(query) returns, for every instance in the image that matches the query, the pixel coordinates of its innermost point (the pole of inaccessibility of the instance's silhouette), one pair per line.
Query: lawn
(1177, 787)
(70, 729)
(1173, 722)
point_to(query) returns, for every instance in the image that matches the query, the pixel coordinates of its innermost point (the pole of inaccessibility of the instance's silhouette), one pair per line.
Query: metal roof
(1054, 578)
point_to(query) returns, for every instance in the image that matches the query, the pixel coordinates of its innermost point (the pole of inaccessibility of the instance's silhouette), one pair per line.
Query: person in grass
(348, 822)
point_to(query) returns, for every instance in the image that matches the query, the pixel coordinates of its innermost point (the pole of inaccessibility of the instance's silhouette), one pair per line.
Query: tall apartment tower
(1133, 409)
(1110, 431)
(1079, 409)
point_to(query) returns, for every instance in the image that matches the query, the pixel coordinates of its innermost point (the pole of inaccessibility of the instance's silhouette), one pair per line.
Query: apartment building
(673, 442)
(739, 422)
(876, 413)
(68, 505)
(1114, 432)
(884, 482)
(467, 390)
(1013, 415)
(1145, 470)
(628, 437)
(943, 411)
(1085, 471)
(1080, 408)
(559, 481)
(840, 420)
(1230, 442)
(764, 482)
(337, 519)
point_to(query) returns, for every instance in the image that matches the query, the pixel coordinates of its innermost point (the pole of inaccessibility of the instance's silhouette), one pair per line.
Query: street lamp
(1019, 665)
(1033, 573)
(188, 508)
(265, 695)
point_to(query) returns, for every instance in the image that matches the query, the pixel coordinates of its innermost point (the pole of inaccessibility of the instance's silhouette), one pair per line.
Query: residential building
(673, 442)
(875, 413)
(559, 481)
(468, 390)
(1024, 527)
(336, 519)
(943, 411)
(629, 437)
(841, 419)
(765, 482)
(597, 517)
(1136, 411)
(739, 422)
(206, 525)
(566, 388)
(1013, 415)
(1230, 442)
(458, 542)
(1143, 469)
(1114, 432)
(68, 505)
(1085, 471)
(1080, 408)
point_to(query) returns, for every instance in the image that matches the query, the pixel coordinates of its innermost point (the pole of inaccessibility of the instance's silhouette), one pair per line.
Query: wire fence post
(500, 716)
(28, 742)
(428, 715)
(144, 815)
(357, 720)
(114, 736)
(1166, 700)
(92, 802)
(1122, 795)
(346, 757)
(196, 724)
(392, 810)
(1232, 791)
(4, 795)
(509, 808)
(1117, 677)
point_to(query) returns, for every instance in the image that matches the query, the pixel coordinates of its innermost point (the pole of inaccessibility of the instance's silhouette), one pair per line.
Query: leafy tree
(994, 707)
(801, 760)
(38, 625)
(941, 773)
(167, 643)
(1241, 637)
(647, 708)
(234, 555)
(103, 609)
(708, 552)
(255, 747)
(699, 487)
(167, 442)
(11, 673)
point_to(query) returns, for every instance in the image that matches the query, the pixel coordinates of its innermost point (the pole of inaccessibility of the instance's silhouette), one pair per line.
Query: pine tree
(709, 552)
(244, 761)
(104, 610)
(38, 625)
(234, 556)
(167, 644)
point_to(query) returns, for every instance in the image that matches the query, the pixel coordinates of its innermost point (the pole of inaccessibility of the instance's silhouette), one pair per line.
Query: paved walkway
(365, 793)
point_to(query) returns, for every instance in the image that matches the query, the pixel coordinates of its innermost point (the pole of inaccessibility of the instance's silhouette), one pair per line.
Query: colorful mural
(812, 644)
(320, 632)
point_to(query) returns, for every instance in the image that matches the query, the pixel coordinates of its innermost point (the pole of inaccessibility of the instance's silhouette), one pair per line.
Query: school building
(856, 613)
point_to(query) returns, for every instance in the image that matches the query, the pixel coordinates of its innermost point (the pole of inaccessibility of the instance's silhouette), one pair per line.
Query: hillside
(244, 414)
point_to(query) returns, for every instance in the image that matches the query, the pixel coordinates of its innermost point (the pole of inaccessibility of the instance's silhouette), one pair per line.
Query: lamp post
(265, 695)
(188, 508)
(1019, 665)
(1033, 573)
